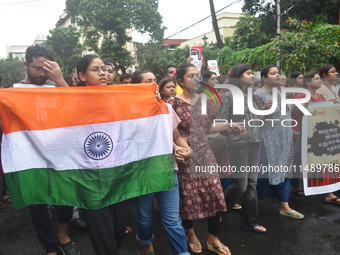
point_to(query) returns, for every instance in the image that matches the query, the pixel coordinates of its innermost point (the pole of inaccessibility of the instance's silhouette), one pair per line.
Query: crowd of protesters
(197, 143)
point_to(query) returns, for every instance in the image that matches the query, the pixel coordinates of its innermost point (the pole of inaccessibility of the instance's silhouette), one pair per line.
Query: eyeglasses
(39, 69)
(192, 76)
(96, 69)
(111, 70)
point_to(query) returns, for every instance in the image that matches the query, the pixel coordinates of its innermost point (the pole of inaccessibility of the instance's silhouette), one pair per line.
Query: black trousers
(43, 225)
(214, 226)
(107, 227)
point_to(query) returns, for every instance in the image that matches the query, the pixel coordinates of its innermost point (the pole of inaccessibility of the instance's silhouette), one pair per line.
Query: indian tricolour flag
(85, 146)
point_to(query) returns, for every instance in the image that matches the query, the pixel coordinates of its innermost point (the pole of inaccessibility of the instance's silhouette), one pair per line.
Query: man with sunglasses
(43, 71)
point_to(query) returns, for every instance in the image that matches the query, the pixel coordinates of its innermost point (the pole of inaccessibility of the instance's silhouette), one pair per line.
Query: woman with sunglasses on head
(244, 151)
(201, 194)
(106, 225)
(277, 143)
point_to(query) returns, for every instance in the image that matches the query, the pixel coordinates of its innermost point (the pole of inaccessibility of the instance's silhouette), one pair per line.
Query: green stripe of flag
(91, 188)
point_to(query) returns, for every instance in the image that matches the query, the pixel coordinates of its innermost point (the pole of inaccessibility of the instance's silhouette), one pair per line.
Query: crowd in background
(197, 142)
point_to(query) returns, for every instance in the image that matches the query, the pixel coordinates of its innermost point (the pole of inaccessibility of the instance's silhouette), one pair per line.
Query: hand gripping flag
(85, 146)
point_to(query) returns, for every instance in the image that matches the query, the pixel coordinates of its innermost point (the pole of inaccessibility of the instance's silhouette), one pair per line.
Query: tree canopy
(105, 24)
(64, 42)
(247, 34)
(12, 70)
(326, 11)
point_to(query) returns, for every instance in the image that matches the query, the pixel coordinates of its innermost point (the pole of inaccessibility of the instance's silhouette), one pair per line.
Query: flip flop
(333, 201)
(216, 249)
(196, 251)
(128, 230)
(253, 228)
(237, 207)
(6, 199)
(290, 214)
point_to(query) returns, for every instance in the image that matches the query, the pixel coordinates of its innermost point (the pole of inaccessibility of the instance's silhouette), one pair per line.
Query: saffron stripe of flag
(88, 147)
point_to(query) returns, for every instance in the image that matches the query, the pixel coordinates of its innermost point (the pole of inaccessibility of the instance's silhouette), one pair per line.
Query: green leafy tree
(64, 42)
(257, 57)
(247, 34)
(305, 47)
(105, 24)
(302, 10)
(12, 70)
(155, 56)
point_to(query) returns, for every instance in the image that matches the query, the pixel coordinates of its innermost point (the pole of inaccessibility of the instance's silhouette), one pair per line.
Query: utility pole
(215, 25)
(278, 13)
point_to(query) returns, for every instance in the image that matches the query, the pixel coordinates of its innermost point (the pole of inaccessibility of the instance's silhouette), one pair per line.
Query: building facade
(226, 24)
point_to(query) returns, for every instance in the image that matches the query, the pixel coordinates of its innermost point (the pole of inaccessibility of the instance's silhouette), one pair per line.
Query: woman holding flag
(106, 225)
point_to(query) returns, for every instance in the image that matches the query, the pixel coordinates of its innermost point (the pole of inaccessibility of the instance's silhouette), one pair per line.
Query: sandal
(191, 248)
(216, 249)
(290, 214)
(237, 207)
(69, 248)
(128, 230)
(6, 199)
(254, 229)
(335, 200)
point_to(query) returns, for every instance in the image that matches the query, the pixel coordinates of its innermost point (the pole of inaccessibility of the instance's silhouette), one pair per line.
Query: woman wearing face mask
(244, 151)
(201, 194)
(277, 149)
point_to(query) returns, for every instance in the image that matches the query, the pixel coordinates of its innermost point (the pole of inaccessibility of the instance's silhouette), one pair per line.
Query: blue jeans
(168, 204)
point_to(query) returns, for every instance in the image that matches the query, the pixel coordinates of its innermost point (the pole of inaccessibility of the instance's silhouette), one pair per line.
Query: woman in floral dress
(201, 193)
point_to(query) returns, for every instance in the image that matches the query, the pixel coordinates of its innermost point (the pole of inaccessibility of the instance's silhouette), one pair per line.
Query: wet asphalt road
(318, 233)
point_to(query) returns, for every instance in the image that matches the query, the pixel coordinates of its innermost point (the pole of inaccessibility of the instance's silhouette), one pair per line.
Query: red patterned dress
(199, 197)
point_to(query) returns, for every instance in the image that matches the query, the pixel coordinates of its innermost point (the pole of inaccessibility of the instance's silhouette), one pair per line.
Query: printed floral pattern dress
(199, 197)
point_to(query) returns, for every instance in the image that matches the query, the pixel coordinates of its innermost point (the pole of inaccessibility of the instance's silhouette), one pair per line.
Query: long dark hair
(83, 64)
(236, 73)
(162, 83)
(324, 70)
(181, 71)
(137, 76)
(265, 71)
(292, 77)
(308, 77)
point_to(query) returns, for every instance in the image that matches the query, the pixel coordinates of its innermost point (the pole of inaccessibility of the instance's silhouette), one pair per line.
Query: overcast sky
(22, 20)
